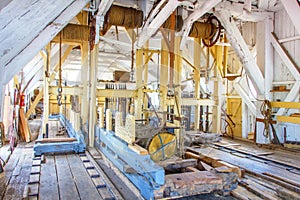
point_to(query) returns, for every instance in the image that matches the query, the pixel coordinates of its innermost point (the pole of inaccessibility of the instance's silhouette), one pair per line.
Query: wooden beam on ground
(241, 49)
(41, 39)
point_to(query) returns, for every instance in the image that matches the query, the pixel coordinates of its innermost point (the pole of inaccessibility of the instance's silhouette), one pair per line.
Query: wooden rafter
(28, 51)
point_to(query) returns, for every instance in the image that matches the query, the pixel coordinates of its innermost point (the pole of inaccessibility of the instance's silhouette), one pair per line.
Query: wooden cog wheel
(162, 146)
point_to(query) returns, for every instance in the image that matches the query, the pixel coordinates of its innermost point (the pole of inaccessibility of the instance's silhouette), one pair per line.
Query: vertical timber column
(163, 76)
(146, 54)
(197, 49)
(245, 121)
(93, 88)
(177, 83)
(139, 83)
(269, 53)
(216, 117)
(46, 87)
(84, 81)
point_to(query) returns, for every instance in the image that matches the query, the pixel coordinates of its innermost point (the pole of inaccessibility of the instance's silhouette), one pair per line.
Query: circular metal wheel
(213, 40)
(162, 146)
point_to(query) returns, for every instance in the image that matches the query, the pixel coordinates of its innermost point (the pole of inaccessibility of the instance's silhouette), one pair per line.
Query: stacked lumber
(23, 127)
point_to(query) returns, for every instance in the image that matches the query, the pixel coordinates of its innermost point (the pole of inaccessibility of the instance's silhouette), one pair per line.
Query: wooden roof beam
(293, 10)
(153, 23)
(42, 39)
(237, 41)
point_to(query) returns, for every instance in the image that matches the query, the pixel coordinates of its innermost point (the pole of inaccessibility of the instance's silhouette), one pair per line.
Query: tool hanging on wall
(59, 89)
(266, 111)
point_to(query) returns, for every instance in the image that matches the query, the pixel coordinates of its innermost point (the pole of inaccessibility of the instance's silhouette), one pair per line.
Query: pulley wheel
(162, 146)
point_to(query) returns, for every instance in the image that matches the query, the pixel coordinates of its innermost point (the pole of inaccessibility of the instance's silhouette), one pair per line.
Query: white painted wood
(238, 43)
(102, 10)
(2, 96)
(286, 59)
(245, 98)
(269, 64)
(199, 12)
(247, 5)
(244, 120)
(293, 94)
(47, 59)
(152, 25)
(237, 10)
(289, 39)
(84, 81)
(40, 40)
(92, 99)
(263, 4)
(293, 10)
(17, 33)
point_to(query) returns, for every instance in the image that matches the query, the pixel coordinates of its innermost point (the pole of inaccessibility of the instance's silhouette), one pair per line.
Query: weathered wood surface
(16, 174)
(48, 181)
(67, 9)
(85, 186)
(21, 19)
(66, 184)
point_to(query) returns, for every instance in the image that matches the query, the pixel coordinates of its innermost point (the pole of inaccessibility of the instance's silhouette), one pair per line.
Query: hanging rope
(59, 90)
(266, 111)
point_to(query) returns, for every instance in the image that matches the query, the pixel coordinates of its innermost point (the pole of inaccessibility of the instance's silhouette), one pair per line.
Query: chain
(59, 89)
(266, 111)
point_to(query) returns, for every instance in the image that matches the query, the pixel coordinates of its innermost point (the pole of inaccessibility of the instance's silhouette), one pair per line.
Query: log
(53, 140)
(178, 164)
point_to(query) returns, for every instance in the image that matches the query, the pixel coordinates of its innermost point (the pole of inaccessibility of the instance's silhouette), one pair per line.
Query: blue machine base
(77, 146)
(147, 175)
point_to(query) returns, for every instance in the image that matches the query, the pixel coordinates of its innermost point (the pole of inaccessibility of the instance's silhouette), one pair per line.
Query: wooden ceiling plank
(43, 39)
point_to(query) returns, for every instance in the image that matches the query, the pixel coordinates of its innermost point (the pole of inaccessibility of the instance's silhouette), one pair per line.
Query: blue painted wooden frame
(77, 146)
(148, 176)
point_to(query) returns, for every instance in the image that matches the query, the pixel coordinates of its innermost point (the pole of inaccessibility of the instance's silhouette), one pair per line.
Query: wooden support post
(163, 79)
(177, 82)
(93, 90)
(147, 57)
(84, 81)
(108, 120)
(139, 84)
(46, 86)
(269, 54)
(216, 125)
(197, 63)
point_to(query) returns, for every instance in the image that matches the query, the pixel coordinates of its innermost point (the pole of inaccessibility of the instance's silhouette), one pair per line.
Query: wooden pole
(93, 90)
(196, 77)
(46, 87)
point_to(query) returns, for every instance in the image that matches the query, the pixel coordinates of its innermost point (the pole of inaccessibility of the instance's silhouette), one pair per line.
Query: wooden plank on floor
(20, 176)
(85, 186)
(66, 184)
(48, 180)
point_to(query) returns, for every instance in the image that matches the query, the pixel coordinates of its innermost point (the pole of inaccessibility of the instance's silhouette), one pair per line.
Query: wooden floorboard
(85, 186)
(48, 180)
(66, 184)
(19, 176)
